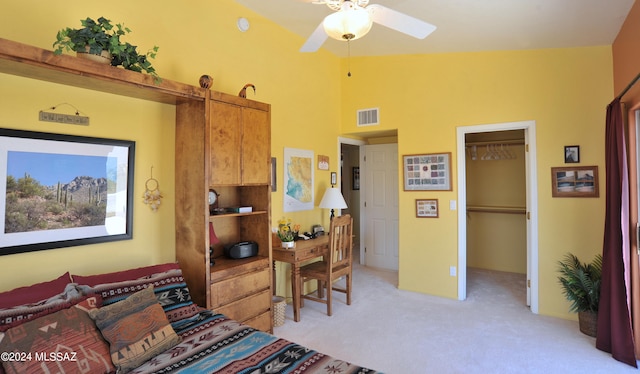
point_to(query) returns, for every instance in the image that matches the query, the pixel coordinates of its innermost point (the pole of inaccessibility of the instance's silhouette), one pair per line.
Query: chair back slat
(340, 241)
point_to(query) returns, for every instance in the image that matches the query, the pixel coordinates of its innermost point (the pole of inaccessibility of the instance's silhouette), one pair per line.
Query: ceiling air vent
(369, 117)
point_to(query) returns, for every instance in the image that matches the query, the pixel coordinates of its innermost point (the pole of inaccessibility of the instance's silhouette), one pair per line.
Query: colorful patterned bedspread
(213, 343)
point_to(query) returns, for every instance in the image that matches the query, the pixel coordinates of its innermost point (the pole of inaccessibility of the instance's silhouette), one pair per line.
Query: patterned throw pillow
(136, 329)
(66, 341)
(170, 288)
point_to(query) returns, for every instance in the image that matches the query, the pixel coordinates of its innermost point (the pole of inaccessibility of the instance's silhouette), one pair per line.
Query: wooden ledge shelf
(33, 62)
(496, 209)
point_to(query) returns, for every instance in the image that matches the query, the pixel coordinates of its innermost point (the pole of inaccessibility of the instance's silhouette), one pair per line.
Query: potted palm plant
(581, 286)
(101, 38)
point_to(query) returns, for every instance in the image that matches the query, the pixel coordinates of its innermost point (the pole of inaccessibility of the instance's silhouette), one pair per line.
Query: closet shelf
(497, 209)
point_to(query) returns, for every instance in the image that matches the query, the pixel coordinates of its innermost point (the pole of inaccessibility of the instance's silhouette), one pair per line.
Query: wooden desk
(304, 250)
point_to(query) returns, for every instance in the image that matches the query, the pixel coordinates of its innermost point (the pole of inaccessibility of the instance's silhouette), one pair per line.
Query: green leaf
(581, 282)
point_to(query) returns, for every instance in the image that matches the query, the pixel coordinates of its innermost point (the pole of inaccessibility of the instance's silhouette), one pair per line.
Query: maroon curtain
(614, 334)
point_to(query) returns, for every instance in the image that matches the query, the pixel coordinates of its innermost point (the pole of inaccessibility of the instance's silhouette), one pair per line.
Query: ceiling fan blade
(400, 21)
(315, 41)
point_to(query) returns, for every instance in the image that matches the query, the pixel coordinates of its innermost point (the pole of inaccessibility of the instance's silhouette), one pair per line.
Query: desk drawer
(236, 288)
(247, 308)
(309, 253)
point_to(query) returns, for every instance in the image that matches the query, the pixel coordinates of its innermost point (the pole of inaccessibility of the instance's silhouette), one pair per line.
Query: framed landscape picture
(577, 181)
(62, 190)
(427, 172)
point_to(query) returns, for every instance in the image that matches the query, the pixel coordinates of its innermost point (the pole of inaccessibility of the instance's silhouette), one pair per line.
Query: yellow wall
(424, 97)
(114, 117)
(196, 37)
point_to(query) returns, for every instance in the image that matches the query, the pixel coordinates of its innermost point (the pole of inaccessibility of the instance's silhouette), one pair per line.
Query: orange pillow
(136, 328)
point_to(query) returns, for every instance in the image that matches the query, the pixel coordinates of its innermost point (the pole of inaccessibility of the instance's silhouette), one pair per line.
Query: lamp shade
(332, 199)
(348, 24)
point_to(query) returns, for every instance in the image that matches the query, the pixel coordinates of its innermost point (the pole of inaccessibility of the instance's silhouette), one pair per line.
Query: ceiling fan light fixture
(349, 24)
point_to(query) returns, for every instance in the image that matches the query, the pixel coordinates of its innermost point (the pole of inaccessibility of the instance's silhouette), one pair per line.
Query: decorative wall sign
(323, 162)
(427, 208)
(298, 180)
(75, 190)
(577, 181)
(427, 172)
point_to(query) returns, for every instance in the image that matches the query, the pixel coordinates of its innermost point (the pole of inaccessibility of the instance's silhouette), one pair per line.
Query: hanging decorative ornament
(152, 196)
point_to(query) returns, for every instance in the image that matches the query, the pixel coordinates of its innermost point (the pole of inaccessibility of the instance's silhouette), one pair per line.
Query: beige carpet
(400, 332)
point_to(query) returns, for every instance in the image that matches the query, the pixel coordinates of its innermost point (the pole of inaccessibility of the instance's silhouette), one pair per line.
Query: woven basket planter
(588, 322)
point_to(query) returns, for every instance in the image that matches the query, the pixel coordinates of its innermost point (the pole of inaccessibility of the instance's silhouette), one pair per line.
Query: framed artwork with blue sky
(62, 190)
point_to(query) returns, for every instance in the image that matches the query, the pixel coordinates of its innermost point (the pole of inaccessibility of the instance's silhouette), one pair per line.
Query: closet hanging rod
(505, 142)
(496, 209)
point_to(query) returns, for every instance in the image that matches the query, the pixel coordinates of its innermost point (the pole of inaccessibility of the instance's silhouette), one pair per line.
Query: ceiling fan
(353, 19)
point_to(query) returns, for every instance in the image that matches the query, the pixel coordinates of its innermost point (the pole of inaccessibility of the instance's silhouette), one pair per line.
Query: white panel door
(379, 167)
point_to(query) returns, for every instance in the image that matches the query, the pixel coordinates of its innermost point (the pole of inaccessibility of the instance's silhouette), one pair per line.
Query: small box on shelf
(240, 209)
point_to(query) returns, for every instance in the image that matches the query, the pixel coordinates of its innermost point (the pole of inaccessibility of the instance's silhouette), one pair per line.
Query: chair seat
(319, 270)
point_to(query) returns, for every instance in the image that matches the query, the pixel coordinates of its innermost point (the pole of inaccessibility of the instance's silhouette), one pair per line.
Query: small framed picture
(274, 181)
(571, 154)
(355, 183)
(427, 208)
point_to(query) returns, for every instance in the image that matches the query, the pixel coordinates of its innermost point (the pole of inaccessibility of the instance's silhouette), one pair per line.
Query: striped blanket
(213, 343)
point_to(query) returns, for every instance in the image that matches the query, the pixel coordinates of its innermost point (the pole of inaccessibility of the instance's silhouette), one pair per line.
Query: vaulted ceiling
(465, 25)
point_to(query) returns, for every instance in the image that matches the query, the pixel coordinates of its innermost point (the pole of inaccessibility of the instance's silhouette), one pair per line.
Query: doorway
(350, 188)
(530, 210)
(349, 156)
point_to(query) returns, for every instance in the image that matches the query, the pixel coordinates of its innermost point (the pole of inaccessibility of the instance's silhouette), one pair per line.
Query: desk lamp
(332, 199)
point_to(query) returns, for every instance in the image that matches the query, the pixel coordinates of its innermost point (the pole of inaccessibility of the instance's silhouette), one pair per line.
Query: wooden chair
(337, 264)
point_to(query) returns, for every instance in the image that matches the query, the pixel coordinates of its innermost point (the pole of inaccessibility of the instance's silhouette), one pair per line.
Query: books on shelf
(240, 209)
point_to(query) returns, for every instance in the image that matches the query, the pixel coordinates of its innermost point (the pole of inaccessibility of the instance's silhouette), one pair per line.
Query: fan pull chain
(348, 58)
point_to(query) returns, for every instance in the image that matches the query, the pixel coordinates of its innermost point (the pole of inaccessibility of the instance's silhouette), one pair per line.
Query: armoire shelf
(223, 215)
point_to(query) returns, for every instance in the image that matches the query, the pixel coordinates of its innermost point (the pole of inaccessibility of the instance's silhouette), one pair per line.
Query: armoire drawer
(262, 322)
(229, 290)
(247, 308)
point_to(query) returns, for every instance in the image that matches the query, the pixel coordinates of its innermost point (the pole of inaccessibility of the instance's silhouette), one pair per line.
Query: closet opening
(496, 215)
(497, 212)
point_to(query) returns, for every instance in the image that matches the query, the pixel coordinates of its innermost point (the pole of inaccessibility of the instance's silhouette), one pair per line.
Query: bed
(213, 343)
(201, 340)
